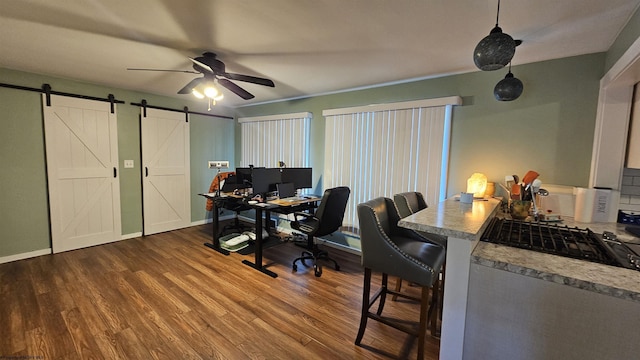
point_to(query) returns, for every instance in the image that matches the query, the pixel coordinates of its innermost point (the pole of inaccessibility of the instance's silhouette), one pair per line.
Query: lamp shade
(508, 89)
(495, 51)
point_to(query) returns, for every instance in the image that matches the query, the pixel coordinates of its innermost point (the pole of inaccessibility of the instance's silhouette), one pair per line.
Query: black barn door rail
(46, 89)
(143, 104)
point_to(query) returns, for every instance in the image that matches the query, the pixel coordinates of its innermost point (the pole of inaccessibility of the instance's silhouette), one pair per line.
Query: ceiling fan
(213, 69)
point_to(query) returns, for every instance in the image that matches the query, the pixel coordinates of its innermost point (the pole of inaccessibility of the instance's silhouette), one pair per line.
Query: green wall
(24, 224)
(548, 129)
(629, 34)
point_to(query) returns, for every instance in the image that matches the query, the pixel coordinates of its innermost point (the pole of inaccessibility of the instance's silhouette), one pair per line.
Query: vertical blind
(382, 150)
(266, 140)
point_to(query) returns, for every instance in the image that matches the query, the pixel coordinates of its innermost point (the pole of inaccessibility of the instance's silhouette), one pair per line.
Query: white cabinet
(633, 149)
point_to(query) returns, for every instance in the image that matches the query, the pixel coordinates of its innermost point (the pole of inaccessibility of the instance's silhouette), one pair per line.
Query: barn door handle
(146, 171)
(115, 172)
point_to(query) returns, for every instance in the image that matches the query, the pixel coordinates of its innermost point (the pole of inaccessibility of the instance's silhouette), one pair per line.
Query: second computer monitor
(265, 179)
(302, 178)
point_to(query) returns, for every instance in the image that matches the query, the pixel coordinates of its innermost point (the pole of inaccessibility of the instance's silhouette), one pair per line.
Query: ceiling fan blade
(251, 79)
(235, 89)
(193, 83)
(164, 70)
(202, 65)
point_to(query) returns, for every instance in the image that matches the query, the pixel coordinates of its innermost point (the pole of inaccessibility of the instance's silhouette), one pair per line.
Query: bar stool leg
(383, 293)
(398, 288)
(434, 308)
(422, 331)
(365, 305)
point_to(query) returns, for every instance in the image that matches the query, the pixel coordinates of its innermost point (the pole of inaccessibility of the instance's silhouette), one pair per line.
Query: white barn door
(82, 163)
(166, 171)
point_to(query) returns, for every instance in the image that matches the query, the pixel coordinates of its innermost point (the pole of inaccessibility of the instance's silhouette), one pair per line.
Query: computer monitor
(286, 190)
(243, 176)
(302, 178)
(265, 179)
(230, 183)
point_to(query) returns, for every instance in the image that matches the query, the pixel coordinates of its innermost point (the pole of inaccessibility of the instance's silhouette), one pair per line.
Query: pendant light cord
(498, 14)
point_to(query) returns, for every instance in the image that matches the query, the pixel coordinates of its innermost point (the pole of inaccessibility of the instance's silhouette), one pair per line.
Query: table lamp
(477, 184)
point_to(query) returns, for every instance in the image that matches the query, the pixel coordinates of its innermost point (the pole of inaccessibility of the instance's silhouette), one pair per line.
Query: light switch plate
(128, 164)
(218, 164)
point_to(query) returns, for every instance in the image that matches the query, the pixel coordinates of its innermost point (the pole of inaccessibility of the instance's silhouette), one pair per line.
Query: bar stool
(409, 203)
(395, 251)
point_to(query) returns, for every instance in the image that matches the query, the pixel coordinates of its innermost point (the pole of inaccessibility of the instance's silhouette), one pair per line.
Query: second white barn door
(165, 170)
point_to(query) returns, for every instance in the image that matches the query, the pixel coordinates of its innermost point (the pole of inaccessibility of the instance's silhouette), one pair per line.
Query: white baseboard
(209, 221)
(23, 256)
(131, 236)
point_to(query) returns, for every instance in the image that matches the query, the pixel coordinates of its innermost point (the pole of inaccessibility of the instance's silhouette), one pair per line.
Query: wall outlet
(128, 164)
(218, 164)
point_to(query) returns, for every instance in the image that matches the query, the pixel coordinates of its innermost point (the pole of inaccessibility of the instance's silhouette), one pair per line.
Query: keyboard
(633, 229)
(293, 198)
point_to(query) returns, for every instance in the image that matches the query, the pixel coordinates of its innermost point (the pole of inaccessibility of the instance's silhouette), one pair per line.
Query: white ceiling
(307, 47)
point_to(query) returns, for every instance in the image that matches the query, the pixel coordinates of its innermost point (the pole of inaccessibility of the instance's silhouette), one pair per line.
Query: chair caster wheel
(317, 270)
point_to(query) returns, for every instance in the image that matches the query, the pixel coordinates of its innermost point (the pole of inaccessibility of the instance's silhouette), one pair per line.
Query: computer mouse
(252, 202)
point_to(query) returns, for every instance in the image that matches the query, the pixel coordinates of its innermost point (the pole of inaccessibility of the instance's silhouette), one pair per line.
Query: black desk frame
(260, 210)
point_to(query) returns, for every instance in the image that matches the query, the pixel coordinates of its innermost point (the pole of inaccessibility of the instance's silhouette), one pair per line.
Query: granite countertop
(468, 221)
(604, 279)
(454, 219)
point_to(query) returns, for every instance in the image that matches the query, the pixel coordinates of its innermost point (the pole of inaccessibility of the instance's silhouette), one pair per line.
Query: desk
(217, 201)
(278, 206)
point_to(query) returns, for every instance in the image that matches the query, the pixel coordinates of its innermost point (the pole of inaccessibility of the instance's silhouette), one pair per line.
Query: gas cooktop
(562, 240)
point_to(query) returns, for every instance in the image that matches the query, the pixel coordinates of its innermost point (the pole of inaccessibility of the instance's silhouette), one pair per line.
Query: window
(267, 140)
(382, 150)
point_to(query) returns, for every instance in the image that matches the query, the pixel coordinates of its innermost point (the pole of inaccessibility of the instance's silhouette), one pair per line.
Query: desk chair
(326, 220)
(232, 204)
(237, 206)
(392, 250)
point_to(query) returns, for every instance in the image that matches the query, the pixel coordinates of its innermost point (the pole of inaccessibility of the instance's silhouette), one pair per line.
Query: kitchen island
(531, 305)
(507, 303)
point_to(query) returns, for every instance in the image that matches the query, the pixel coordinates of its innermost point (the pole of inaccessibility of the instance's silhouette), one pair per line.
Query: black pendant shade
(509, 88)
(496, 50)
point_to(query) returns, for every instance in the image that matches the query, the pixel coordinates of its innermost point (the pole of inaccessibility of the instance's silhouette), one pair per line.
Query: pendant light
(509, 88)
(496, 50)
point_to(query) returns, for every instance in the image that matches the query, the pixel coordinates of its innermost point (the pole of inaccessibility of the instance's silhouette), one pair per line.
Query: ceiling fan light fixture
(509, 88)
(211, 91)
(197, 93)
(495, 50)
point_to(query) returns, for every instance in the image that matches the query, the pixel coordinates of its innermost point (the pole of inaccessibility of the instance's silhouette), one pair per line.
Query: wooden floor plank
(167, 296)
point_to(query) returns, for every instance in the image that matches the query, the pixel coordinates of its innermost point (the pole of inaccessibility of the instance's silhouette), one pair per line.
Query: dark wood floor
(167, 296)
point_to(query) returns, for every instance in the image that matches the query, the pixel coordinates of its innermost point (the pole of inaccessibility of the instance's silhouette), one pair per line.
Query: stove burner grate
(575, 243)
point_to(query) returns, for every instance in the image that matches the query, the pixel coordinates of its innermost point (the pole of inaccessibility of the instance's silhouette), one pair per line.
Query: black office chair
(326, 220)
(395, 251)
(237, 206)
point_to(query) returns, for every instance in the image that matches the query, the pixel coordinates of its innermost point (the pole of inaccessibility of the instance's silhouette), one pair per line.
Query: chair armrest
(304, 215)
